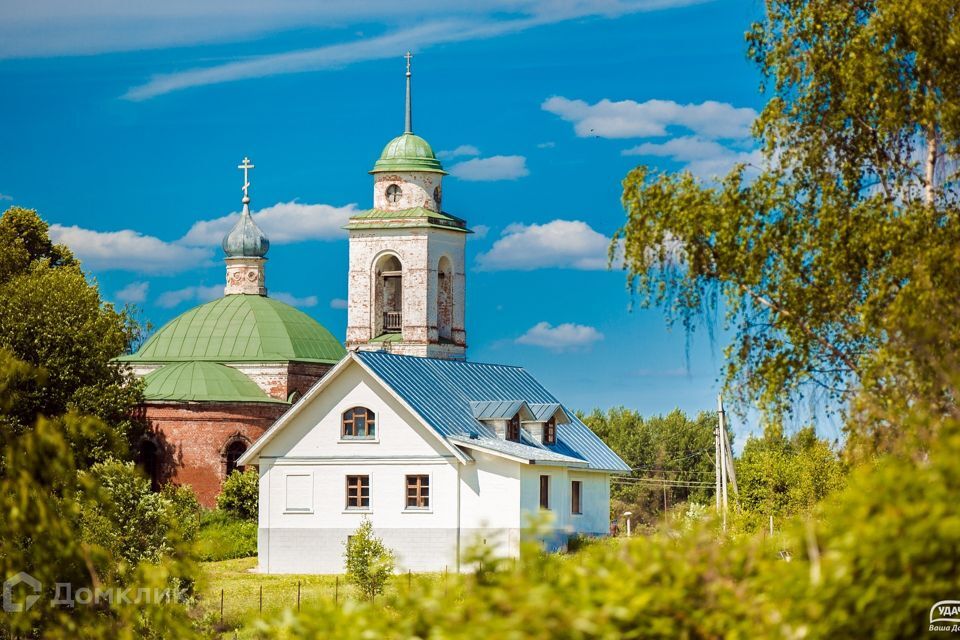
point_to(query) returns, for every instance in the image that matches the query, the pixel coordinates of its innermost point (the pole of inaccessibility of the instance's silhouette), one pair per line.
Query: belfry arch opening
(388, 311)
(232, 454)
(445, 300)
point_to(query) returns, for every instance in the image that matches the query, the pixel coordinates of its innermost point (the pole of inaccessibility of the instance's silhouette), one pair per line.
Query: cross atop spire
(246, 166)
(409, 111)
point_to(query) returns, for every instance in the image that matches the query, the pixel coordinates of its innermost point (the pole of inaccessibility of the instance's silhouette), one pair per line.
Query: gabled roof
(543, 411)
(442, 391)
(443, 395)
(500, 410)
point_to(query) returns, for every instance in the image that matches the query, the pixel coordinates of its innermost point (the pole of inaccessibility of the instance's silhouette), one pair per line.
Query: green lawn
(241, 592)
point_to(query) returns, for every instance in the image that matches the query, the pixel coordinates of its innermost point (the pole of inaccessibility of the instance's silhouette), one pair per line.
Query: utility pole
(723, 458)
(716, 464)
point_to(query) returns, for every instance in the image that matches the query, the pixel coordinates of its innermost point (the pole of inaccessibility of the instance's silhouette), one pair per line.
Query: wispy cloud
(284, 223)
(546, 145)
(569, 244)
(338, 303)
(304, 302)
(462, 150)
(563, 337)
(491, 169)
(704, 158)
(480, 231)
(4, 196)
(453, 22)
(170, 299)
(128, 250)
(133, 293)
(630, 119)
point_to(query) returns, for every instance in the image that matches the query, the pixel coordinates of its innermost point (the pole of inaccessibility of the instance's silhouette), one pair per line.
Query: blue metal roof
(442, 391)
(500, 409)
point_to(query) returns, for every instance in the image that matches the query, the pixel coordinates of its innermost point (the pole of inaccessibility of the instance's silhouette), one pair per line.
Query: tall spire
(245, 245)
(409, 110)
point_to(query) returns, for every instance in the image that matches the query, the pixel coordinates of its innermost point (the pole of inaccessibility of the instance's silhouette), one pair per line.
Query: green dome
(241, 328)
(202, 382)
(408, 152)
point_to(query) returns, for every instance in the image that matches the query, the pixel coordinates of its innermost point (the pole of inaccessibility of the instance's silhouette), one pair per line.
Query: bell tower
(407, 283)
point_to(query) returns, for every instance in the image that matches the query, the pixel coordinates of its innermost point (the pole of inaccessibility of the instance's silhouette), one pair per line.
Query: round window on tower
(436, 197)
(393, 193)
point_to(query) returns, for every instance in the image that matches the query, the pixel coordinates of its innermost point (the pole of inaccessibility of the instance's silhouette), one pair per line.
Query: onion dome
(245, 240)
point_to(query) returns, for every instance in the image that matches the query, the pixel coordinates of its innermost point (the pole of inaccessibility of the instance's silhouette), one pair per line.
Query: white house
(437, 453)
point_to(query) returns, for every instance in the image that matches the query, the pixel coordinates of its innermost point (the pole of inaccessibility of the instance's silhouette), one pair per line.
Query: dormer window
(359, 423)
(550, 431)
(513, 428)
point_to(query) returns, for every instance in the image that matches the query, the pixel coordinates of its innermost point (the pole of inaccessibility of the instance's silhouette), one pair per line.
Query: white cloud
(127, 250)
(546, 145)
(462, 150)
(653, 118)
(223, 20)
(338, 303)
(491, 169)
(701, 157)
(133, 293)
(4, 196)
(480, 231)
(176, 297)
(562, 337)
(284, 223)
(304, 303)
(570, 244)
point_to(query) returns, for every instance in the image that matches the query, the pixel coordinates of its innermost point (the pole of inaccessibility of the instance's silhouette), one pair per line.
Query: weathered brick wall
(192, 439)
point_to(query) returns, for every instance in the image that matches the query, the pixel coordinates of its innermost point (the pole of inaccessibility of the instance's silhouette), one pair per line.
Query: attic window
(513, 428)
(550, 431)
(359, 423)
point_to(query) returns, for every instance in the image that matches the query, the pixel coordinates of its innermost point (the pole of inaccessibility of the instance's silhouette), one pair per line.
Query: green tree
(783, 476)
(240, 496)
(852, 218)
(669, 454)
(51, 317)
(369, 562)
(44, 496)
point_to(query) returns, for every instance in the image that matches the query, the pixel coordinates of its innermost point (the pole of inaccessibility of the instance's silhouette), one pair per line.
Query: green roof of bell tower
(408, 152)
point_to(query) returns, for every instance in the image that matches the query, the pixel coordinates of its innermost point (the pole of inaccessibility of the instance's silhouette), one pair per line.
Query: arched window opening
(149, 461)
(389, 295)
(444, 300)
(234, 450)
(359, 423)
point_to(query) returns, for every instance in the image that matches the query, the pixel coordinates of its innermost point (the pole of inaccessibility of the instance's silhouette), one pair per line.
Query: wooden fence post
(298, 596)
(261, 598)
(336, 590)
(221, 606)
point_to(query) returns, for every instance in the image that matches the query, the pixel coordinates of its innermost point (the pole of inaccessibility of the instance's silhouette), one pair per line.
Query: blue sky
(125, 122)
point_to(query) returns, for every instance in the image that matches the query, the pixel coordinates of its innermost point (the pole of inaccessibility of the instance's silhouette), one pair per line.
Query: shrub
(223, 536)
(240, 495)
(369, 562)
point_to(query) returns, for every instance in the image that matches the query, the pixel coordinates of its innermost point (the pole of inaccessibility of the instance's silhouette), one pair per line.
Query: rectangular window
(358, 492)
(544, 492)
(418, 492)
(299, 492)
(550, 431)
(513, 428)
(576, 497)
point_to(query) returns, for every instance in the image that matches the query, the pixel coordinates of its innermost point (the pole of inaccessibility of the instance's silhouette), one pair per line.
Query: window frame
(545, 492)
(369, 421)
(513, 428)
(423, 492)
(550, 431)
(576, 497)
(363, 482)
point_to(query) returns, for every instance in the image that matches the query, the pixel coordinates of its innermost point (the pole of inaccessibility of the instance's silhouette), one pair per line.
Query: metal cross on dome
(246, 166)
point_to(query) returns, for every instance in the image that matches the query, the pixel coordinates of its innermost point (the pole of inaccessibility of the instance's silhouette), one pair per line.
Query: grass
(224, 537)
(241, 593)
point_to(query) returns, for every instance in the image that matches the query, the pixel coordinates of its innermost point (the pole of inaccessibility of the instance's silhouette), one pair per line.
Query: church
(399, 427)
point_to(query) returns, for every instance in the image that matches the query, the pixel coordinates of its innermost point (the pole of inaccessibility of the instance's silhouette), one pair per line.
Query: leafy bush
(369, 562)
(223, 536)
(240, 495)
